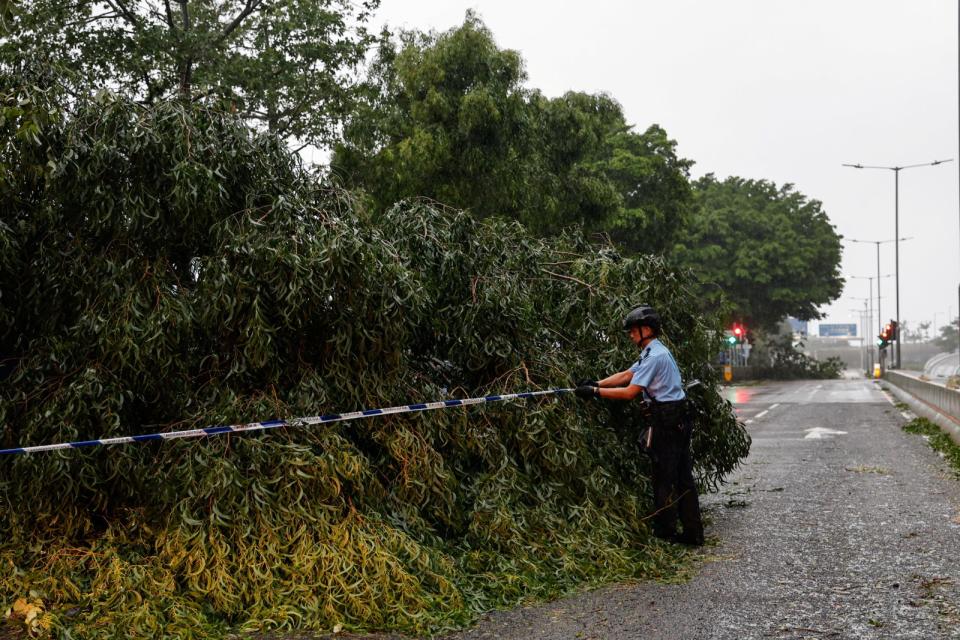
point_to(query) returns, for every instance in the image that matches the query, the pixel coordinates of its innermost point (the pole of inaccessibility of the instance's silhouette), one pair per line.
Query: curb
(946, 422)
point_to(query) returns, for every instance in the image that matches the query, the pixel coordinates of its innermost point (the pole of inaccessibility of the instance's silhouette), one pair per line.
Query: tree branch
(119, 7)
(170, 23)
(250, 7)
(287, 115)
(297, 108)
(571, 278)
(186, 66)
(185, 15)
(102, 16)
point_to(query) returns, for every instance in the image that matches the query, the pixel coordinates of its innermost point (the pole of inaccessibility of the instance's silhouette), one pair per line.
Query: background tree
(909, 334)
(447, 117)
(947, 339)
(768, 249)
(284, 64)
(654, 183)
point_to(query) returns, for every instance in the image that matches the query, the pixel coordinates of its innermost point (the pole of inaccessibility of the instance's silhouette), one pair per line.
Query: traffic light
(887, 335)
(737, 334)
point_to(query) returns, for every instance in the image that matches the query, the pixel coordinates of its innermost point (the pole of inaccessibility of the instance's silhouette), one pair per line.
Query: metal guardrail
(936, 397)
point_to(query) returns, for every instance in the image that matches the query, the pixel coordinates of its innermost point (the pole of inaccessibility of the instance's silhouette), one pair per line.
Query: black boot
(693, 540)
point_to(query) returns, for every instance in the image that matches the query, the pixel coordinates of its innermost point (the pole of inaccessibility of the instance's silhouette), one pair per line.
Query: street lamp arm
(927, 164)
(878, 241)
(908, 166)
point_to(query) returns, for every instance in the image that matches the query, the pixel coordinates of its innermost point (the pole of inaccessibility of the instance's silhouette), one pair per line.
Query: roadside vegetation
(788, 362)
(938, 440)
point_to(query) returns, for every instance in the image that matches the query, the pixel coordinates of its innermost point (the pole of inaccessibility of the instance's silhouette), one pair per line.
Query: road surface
(838, 525)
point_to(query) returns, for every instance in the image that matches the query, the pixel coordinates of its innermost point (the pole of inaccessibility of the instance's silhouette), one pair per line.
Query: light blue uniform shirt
(657, 372)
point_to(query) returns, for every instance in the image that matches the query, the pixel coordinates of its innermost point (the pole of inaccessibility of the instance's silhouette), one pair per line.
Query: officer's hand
(586, 391)
(588, 383)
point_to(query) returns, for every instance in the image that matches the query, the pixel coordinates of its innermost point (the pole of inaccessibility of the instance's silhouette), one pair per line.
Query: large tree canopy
(769, 250)
(286, 64)
(447, 117)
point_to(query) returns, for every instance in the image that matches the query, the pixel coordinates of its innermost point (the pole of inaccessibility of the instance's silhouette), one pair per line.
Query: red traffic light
(738, 333)
(889, 331)
(887, 335)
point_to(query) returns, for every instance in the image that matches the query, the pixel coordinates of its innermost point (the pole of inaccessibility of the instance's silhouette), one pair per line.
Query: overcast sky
(786, 91)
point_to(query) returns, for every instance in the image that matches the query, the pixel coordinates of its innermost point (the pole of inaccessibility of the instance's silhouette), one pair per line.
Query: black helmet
(643, 315)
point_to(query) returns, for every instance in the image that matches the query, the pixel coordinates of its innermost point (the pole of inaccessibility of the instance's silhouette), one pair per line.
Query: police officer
(655, 378)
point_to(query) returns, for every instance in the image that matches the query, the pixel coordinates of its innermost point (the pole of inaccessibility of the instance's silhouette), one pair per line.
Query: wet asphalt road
(838, 525)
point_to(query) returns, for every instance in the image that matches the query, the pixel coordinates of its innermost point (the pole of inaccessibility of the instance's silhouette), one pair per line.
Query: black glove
(588, 383)
(586, 391)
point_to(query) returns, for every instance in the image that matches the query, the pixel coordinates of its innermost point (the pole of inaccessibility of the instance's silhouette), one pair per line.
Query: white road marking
(774, 406)
(887, 396)
(761, 414)
(821, 433)
(748, 421)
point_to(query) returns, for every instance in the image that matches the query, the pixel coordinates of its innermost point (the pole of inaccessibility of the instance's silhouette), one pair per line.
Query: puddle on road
(739, 395)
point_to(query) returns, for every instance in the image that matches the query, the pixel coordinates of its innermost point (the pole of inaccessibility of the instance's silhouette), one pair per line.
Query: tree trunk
(186, 64)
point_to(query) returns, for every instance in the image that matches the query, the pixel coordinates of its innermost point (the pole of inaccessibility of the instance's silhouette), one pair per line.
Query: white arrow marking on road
(820, 433)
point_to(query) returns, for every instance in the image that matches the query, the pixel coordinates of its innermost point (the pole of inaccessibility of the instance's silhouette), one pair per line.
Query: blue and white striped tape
(294, 422)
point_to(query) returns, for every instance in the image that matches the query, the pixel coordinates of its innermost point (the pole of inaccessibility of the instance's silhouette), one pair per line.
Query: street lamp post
(878, 243)
(896, 226)
(866, 321)
(870, 280)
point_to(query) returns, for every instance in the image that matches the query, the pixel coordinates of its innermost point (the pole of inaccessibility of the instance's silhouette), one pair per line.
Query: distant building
(838, 330)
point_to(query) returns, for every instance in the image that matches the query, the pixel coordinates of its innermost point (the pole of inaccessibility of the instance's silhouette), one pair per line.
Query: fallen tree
(167, 267)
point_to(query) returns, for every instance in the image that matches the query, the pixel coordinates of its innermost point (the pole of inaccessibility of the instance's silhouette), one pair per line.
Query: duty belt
(668, 414)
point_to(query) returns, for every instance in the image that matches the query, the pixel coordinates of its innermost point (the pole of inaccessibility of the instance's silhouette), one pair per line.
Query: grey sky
(786, 91)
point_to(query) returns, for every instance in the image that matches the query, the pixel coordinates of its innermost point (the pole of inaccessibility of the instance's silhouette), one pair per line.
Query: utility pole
(896, 227)
(865, 326)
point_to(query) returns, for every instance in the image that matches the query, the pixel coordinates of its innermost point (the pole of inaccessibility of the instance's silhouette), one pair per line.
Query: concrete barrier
(930, 400)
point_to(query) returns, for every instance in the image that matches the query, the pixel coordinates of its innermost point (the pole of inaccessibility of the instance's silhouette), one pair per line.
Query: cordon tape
(293, 422)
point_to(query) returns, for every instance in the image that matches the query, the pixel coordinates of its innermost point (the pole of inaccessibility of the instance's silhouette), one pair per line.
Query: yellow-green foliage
(168, 267)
